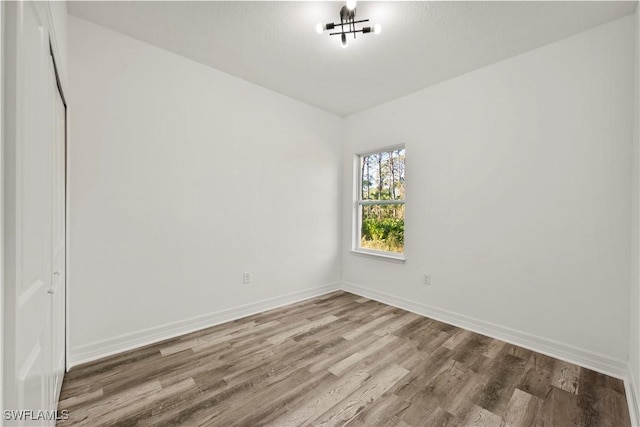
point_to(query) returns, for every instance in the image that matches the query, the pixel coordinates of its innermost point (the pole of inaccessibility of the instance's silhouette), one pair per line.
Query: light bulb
(377, 29)
(319, 28)
(351, 4)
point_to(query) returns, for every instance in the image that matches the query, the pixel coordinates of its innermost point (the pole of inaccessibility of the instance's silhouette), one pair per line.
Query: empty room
(336, 213)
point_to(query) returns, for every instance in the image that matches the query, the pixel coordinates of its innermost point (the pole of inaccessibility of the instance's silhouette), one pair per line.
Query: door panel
(58, 288)
(33, 215)
(34, 218)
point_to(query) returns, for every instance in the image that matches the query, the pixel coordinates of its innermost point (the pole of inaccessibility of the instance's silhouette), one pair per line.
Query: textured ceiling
(274, 44)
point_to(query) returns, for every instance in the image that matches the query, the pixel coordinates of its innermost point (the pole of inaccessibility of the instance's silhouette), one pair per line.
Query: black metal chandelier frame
(348, 20)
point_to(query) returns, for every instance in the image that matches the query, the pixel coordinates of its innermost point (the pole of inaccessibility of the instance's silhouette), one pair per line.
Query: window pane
(383, 227)
(383, 175)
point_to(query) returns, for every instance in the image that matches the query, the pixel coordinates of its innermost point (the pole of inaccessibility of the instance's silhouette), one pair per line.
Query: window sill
(384, 256)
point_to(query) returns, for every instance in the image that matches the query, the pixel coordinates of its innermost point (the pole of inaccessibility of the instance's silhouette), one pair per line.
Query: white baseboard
(631, 390)
(578, 356)
(119, 344)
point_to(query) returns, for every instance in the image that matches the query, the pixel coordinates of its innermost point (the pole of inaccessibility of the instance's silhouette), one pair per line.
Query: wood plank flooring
(338, 359)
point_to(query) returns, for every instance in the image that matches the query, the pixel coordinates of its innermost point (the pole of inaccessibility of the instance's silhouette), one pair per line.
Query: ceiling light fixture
(348, 24)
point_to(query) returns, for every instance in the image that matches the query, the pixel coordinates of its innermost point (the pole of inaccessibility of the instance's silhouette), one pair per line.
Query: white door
(58, 181)
(33, 214)
(30, 160)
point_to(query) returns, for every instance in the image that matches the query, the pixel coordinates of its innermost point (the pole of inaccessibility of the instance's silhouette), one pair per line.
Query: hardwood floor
(339, 360)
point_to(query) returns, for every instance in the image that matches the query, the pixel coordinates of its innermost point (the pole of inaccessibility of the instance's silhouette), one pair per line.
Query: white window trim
(386, 256)
(357, 214)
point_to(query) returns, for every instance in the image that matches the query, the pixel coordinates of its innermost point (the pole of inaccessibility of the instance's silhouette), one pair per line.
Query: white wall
(519, 181)
(183, 177)
(518, 192)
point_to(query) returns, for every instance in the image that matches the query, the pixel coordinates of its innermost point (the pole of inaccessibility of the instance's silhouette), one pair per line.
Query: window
(380, 203)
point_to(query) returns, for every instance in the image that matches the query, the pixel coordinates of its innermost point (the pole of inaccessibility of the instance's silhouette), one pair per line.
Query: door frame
(2, 37)
(58, 303)
(62, 81)
(66, 206)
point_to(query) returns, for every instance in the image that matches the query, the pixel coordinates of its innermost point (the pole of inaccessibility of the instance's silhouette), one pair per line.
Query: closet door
(33, 215)
(58, 181)
(31, 168)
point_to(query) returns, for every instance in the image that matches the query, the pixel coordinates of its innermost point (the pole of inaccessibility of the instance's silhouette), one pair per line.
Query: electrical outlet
(426, 279)
(246, 278)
